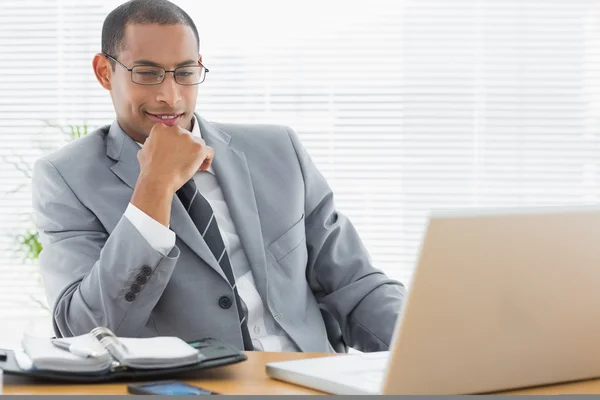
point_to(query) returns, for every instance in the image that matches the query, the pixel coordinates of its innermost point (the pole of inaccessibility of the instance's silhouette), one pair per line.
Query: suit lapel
(233, 175)
(123, 149)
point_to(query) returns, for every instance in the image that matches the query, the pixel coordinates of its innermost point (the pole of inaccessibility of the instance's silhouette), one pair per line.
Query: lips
(165, 118)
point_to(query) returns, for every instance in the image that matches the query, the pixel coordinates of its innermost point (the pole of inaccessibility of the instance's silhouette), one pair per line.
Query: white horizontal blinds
(45, 59)
(498, 106)
(28, 70)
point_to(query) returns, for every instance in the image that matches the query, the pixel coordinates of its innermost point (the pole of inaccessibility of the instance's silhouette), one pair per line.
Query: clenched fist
(169, 158)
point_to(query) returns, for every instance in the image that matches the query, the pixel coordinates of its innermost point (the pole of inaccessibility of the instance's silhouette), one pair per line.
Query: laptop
(499, 300)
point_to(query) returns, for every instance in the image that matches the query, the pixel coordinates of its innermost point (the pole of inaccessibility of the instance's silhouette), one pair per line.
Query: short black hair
(161, 12)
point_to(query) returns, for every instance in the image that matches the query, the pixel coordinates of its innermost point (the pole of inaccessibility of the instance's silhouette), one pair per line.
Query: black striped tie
(204, 218)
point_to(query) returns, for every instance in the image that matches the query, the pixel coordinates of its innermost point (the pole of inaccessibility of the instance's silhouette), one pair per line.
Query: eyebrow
(154, 64)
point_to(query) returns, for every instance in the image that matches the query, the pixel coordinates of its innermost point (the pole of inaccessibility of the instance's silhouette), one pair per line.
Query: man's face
(139, 107)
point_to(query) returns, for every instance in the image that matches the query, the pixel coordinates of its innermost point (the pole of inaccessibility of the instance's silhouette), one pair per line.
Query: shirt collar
(196, 128)
(196, 133)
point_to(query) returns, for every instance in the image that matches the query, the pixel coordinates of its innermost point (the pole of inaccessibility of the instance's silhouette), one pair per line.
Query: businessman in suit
(163, 223)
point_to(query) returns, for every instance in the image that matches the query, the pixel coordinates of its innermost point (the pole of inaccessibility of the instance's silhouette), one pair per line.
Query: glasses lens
(192, 75)
(147, 75)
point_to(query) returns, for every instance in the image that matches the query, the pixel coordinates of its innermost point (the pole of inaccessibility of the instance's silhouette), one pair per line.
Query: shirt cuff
(161, 238)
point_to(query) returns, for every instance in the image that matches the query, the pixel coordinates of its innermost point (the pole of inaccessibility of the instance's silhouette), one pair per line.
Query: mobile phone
(172, 387)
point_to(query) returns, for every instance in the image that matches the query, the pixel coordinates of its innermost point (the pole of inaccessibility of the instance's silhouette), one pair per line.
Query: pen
(74, 349)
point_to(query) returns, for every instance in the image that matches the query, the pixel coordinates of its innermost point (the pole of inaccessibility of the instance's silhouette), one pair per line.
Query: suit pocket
(286, 243)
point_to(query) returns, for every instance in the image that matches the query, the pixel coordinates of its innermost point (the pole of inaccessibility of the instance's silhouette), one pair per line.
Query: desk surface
(247, 377)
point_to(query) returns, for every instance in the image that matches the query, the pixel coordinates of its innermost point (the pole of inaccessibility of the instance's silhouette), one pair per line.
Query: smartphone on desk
(175, 388)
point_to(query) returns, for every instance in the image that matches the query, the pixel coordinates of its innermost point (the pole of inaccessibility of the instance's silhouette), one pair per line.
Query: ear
(103, 70)
(200, 59)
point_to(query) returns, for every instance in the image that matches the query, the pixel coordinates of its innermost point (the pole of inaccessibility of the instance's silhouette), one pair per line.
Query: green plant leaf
(30, 246)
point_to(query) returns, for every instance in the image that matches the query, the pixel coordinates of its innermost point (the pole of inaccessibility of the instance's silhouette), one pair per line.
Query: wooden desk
(247, 377)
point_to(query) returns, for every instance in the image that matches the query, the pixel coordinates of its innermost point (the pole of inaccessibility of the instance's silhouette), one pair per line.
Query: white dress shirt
(266, 334)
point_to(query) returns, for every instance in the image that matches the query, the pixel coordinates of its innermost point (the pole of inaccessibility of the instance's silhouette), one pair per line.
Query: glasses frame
(164, 75)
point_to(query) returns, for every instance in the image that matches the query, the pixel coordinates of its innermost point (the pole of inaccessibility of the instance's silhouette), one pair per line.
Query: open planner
(101, 356)
(101, 350)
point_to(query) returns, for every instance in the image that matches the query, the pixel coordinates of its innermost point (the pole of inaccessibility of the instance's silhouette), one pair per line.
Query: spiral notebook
(107, 352)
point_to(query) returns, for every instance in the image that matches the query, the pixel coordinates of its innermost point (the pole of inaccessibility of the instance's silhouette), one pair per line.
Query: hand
(171, 156)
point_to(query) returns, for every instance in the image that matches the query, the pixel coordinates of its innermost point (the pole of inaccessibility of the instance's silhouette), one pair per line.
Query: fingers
(209, 155)
(197, 145)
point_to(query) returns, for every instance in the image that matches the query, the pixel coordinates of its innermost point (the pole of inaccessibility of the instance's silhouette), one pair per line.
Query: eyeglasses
(153, 75)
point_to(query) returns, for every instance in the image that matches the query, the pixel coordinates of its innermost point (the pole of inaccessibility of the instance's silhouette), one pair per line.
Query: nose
(168, 91)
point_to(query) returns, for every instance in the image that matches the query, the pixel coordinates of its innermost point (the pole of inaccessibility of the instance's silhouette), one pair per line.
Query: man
(165, 224)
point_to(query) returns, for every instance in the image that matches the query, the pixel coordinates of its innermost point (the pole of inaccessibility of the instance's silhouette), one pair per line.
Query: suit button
(225, 302)
(130, 297)
(135, 288)
(141, 279)
(146, 270)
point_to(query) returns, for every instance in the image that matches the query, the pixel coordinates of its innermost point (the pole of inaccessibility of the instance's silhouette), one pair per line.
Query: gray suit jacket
(310, 267)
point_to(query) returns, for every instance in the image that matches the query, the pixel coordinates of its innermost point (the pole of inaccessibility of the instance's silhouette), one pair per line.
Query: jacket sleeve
(362, 299)
(92, 277)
